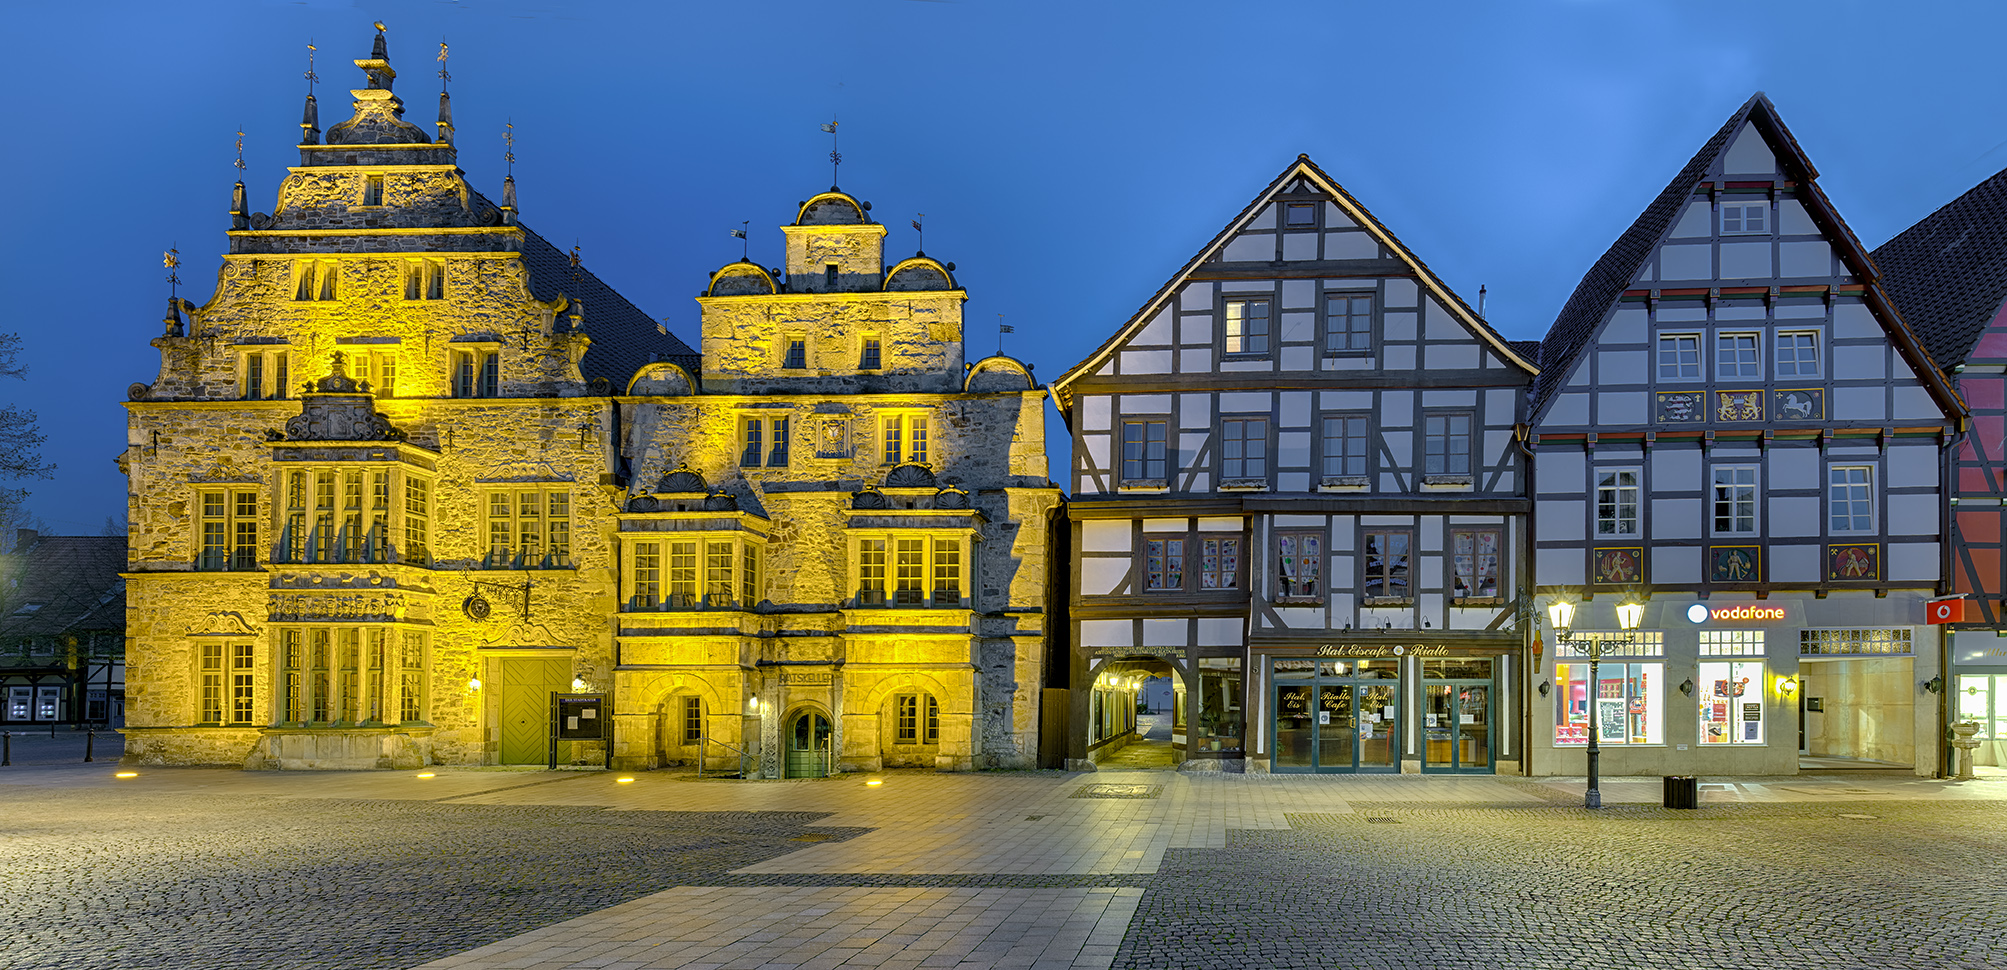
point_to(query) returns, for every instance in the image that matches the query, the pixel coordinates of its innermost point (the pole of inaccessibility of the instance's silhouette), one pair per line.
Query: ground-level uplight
(623, 781)
(873, 783)
(427, 774)
(126, 774)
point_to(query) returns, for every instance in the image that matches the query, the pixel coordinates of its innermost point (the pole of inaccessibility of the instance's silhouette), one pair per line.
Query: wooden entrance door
(527, 686)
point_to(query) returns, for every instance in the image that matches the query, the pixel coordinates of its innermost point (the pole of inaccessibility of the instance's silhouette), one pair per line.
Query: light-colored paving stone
(813, 928)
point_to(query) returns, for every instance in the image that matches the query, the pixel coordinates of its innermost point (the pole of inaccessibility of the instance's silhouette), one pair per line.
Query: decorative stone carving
(643, 503)
(223, 623)
(683, 480)
(721, 501)
(910, 475)
(870, 498)
(952, 497)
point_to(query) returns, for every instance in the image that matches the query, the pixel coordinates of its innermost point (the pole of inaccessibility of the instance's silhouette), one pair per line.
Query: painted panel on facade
(1680, 407)
(1854, 561)
(1617, 565)
(1798, 404)
(1734, 564)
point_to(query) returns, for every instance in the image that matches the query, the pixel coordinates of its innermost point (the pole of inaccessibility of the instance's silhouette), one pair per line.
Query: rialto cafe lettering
(1701, 613)
(1381, 650)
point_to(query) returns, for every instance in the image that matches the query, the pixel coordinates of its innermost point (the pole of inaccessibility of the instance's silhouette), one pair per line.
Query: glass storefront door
(1336, 716)
(1456, 715)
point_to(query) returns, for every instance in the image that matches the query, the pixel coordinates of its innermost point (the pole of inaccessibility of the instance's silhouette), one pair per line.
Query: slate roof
(1301, 167)
(1611, 275)
(1529, 349)
(624, 339)
(1948, 273)
(74, 579)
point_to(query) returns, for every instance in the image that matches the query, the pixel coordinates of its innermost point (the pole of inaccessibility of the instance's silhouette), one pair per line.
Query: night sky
(1069, 156)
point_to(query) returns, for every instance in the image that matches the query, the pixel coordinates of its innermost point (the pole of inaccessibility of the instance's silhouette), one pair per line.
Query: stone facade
(411, 469)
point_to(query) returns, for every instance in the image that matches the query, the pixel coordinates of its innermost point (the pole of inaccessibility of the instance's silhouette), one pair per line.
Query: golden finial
(443, 76)
(240, 151)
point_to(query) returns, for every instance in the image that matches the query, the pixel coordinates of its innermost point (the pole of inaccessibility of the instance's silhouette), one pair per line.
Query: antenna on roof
(835, 157)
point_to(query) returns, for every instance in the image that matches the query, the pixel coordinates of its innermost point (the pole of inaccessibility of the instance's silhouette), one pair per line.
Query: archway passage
(1149, 693)
(808, 741)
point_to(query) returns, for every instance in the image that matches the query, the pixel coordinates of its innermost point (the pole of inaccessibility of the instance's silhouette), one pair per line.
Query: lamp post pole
(1593, 798)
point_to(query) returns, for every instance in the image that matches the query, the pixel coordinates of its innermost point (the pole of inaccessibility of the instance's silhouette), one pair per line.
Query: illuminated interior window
(1247, 326)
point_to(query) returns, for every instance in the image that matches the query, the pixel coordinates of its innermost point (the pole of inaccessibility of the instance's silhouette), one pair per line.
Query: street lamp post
(1561, 616)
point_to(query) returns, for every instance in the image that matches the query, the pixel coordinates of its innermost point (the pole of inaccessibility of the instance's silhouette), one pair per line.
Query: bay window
(720, 570)
(348, 675)
(345, 515)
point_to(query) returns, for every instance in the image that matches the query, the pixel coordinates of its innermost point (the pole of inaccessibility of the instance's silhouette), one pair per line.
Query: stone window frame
(790, 343)
(235, 527)
(274, 365)
(775, 433)
(316, 279)
(693, 569)
(916, 718)
(552, 528)
(311, 677)
(870, 352)
(912, 447)
(366, 523)
(371, 194)
(692, 718)
(377, 367)
(885, 590)
(226, 680)
(476, 371)
(424, 279)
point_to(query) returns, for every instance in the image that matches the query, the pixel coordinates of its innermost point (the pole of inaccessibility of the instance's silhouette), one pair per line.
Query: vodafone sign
(1945, 611)
(1747, 613)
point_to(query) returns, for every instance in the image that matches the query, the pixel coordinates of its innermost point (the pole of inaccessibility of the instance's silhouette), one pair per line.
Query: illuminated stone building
(411, 470)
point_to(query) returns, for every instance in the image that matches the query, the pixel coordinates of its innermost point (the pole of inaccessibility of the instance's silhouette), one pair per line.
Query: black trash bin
(1682, 792)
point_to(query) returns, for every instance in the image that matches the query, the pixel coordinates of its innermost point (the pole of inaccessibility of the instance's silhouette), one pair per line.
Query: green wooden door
(527, 686)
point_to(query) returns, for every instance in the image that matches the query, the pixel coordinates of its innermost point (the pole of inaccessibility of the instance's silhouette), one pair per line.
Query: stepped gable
(1948, 273)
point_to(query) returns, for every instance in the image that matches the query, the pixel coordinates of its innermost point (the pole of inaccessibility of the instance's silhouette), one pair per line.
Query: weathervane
(312, 78)
(1002, 329)
(922, 249)
(745, 248)
(835, 157)
(172, 259)
(509, 138)
(240, 151)
(443, 76)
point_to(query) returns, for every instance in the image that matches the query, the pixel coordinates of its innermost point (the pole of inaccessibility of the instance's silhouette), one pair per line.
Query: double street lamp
(1561, 615)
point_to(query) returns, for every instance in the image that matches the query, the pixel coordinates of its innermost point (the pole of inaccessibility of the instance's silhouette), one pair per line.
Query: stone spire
(509, 200)
(240, 207)
(310, 123)
(445, 118)
(379, 114)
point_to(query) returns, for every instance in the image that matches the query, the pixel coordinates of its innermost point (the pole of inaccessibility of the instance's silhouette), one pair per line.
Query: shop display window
(1983, 698)
(1731, 702)
(1630, 703)
(1220, 716)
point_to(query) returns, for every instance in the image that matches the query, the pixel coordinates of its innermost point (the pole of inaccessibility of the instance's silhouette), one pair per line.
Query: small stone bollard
(6, 748)
(90, 742)
(1965, 739)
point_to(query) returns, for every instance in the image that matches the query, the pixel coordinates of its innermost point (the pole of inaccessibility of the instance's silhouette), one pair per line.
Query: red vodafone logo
(1945, 611)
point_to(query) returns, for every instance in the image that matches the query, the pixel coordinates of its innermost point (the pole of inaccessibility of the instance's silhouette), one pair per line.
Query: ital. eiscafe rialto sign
(1382, 650)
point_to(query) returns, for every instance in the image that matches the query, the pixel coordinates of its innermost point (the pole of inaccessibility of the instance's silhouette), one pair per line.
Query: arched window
(916, 719)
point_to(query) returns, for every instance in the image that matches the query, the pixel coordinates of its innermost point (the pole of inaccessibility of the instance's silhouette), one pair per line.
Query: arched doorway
(808, 743)
(1135, 715)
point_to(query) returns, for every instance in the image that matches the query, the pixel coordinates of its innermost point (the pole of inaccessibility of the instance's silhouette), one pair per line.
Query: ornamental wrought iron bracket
(477, 606)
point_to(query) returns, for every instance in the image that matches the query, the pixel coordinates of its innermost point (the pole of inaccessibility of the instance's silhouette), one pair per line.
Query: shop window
(1798, 354)
(1617, 505)
(693, 720)
(1246, 327)
(1218, 707)
(229, 529)
(1734, 499)
(1629, 706)
(1299, 557)
(904, 437)
(1446, 445)
(1243, 449)
(1345, 441)
(1850, 498)
(1348, 323)
(1731, 701)
(424, 279)
(1386, 567)
(1475, 562)
(1737, 356)
(1145, 456)
(477, 373)
(529, 529)
(1679, 356)
(266, 375)
(1983, 698)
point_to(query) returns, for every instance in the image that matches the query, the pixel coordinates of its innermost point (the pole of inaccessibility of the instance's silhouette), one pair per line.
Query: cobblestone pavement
(484, 870)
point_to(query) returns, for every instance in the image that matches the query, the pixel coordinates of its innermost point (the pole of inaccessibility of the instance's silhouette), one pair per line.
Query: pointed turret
(310, 122)
(445, 118)
(379, 114)
(240, 207)
(509, 200)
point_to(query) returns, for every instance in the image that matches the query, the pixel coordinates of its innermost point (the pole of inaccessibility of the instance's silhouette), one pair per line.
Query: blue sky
(1069, 156)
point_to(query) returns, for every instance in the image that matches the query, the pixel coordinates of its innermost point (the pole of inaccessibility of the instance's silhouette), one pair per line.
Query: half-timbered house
(1948, 276)
(1734, 429)
(1296, 487)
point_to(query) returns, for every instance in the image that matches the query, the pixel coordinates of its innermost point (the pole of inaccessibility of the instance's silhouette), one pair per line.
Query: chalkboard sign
(579, 717)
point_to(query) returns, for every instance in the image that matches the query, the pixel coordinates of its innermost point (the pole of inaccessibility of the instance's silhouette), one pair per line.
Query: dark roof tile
(1946, 273)
(63, 584)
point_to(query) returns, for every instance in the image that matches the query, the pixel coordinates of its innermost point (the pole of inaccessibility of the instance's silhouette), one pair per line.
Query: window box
(1144, 485)
(1335, 483)
(1446, 481)
(1243, 485)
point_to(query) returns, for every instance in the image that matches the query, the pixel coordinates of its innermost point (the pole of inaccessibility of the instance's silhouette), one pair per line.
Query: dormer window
(372, 190)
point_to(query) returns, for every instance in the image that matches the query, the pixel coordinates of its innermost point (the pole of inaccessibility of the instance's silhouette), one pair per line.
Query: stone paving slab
(707, 928)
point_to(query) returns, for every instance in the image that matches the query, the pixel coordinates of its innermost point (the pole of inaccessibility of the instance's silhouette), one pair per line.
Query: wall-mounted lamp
(579, 686)
(753, 705)
(1788, 684)
(473, 684)
(1687, 687)
(1935, 685)
(1545, 686)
